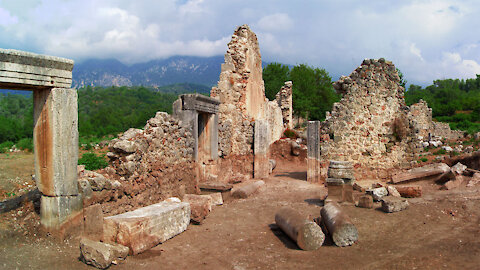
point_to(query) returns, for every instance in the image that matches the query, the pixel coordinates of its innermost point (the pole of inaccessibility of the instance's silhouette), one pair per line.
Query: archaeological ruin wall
(369, 124)
(284, 99)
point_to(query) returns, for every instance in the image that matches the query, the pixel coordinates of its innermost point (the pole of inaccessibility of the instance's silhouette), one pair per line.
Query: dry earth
(439, 231)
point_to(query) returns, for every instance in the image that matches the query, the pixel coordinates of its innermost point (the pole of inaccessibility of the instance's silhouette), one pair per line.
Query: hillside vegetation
(454, 101)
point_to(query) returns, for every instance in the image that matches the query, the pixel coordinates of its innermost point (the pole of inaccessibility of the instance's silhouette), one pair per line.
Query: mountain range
(154, 73)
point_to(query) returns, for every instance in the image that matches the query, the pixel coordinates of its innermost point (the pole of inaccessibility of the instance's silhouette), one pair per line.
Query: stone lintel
(30, 71)
(199, 103)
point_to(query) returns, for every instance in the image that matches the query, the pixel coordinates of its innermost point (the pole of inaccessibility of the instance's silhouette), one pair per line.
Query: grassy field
(16, 170)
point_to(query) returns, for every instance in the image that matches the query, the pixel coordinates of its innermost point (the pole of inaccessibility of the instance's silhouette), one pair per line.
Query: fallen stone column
(247, 190)
(338, 224)
(306, 233)
(146, 227)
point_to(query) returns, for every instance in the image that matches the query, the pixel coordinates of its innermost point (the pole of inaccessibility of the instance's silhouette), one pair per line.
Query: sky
(425, 39)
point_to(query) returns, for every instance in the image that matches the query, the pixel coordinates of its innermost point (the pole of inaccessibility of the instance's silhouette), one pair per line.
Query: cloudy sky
(426, 39)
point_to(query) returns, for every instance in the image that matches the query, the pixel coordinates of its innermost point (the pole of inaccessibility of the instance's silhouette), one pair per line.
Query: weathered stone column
(314, 165)
(55, 137)
(261, 165)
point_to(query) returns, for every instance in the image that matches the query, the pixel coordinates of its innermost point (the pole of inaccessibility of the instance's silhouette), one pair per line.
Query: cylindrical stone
(338, 224)
(306, 233)
(245, 191)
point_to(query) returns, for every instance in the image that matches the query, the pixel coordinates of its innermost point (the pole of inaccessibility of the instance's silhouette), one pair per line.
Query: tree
(313, 93)
(274, 76)
(403, 82)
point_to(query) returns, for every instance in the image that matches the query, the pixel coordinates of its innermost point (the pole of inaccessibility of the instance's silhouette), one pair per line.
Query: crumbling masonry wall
(284, 100)
(360, 127)
(242, 94)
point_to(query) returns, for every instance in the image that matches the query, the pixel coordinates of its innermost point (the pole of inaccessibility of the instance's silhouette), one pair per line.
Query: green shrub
(25, 144)
(424, 159)
(288, 133)
(440, 152)
(92, 161)
(5, 146)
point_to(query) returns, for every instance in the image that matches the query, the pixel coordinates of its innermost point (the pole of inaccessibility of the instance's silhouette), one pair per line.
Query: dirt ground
(438, 231)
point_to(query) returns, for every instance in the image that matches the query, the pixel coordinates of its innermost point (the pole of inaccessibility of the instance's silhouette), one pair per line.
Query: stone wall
(284, 100)
(158, 159)
(361, 126)
(443, 130)
(242, 94)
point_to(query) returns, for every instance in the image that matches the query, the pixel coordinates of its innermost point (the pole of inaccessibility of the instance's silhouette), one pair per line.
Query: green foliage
(313, 93)
(5, 146)
(92, 161)
(274, 76)
(454, 101)
(403, 82)
(440, 152)
(424, 159)
(25, 144)
(288, 133)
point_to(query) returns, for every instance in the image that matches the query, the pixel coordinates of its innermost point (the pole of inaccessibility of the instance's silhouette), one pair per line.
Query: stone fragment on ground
(365, 201)
(377, 193)
(146, 227)
(200, 206)
(392, 204)
(101, 255)
(421, 173)
(454, 183)
(218, 186)
(338, 224)
(458, 168)
(409, 191)
(273, 165)
(392, 191)
(217, 198)
(295, 148)
(247, 190)
(475, 180)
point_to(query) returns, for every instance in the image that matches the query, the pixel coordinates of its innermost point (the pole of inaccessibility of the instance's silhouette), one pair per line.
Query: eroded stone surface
(200, 206)
(392, 204)
(146, 227)
(101, 255)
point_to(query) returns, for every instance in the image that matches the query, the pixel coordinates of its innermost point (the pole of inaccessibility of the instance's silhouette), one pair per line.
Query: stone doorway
(55, 133)
(199, 113)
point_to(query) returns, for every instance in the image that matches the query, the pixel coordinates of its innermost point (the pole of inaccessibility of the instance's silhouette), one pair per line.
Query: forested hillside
(452, 100)
(101, 111)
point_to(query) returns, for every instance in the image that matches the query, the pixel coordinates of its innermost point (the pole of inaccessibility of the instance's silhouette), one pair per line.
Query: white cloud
(277, 22)
(426, 39)
(6, 18)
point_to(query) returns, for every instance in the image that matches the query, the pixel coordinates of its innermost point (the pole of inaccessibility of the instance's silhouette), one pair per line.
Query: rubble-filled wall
(284, 100)
(369, 124)
(158, 160)
(242, 94)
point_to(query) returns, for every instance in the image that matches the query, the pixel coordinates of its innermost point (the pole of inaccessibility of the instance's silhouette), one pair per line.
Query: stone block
(200, 206)
(347, 194)
(340, 173)
(246, 190)
(55, 137)
(146, 227)
(410, 191)
(54, 211)
(101, 255)
(217, 198)
(365, 201)
(85, 188)
(377, 193)
(93, 221)
(392, 204)
(392, 191)
(217, 186)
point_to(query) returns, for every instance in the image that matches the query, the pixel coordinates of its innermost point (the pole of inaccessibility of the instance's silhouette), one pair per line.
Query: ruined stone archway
(55, 133)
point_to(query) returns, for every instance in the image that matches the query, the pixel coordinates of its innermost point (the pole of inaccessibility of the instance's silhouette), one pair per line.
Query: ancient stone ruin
(55, 133)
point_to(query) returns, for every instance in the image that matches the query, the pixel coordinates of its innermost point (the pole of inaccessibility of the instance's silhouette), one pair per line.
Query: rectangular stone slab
(146, 227)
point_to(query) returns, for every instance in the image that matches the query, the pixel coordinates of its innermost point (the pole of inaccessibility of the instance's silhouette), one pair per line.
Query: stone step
(146, 227)
(218, 186)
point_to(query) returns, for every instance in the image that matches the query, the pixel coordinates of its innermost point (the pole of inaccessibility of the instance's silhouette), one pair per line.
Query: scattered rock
(392, 191)
(392, 204)
(217, 198)
(295, 148)
(273, 165)
(101, 255)
(475, 178)
(410, 191)
(377, 193)
(84, 188)
(458, 168)
(200, 206)
(247, 190)
(365, 201)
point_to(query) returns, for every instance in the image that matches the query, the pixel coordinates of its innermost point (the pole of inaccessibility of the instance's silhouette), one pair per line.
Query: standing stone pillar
(261, 165)
(55, 137)
(314, 165)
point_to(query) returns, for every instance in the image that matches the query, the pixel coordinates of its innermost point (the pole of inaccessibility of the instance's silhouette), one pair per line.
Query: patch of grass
(424, 159)
(288, 133)
(5, 146)
(25, 144)
(92, 161)
(440, 152)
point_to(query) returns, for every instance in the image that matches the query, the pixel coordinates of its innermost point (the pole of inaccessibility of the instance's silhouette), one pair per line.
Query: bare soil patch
(439, 230)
